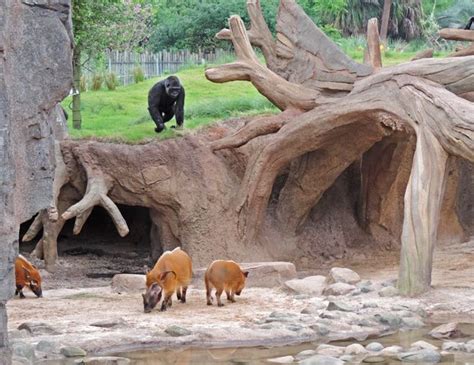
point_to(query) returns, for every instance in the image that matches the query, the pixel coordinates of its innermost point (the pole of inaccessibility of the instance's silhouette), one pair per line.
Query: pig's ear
(246, 273)
(154, 289)
(163, 275)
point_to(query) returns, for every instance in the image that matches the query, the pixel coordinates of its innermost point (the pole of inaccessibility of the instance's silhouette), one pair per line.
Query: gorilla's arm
(154, 97)
(469, 24)
(179, 111)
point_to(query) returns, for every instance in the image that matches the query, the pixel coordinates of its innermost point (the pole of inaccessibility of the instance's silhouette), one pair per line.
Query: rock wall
(35, 74)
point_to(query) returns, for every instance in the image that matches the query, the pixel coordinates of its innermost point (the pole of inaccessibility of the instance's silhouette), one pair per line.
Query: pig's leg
(183, 294)
(178, 293)
(230, 296)
(218, 297)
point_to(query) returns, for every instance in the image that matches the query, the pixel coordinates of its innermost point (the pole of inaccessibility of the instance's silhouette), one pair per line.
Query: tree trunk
(76, 97)
(387, 5)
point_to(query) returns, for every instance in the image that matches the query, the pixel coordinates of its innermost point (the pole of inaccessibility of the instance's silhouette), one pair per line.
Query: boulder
(320, 329)
(412, 322)
(282, 360)
(339, 289)
(38, 329)
(47, 347)
(374, 347)
(448, 330)
(355, 349)
(330, 350)
(374, 359)
(312, 285)
(340, 306)
(388, 291)
(453, 346)
(176, 331)
(389, 319)
(343, 275)
(72, 351)
(304, 354)
(25, 350)
(420, 345)
(109, 323)
(391, 351)
(128, 283)
(261, 274)
(426, 355)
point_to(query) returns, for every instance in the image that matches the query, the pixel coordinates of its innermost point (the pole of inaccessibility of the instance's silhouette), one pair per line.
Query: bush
(97, 81)
(111, 81)
(138, 75)
(83, 84)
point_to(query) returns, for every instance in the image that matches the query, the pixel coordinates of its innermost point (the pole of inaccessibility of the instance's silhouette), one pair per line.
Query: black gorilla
(469, 24)
(166, 99)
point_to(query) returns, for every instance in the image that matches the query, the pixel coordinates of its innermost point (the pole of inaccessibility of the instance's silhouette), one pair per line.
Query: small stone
(25, 350)
(453, 346)
(374, 347)
(338, 289)
(322, 360)
(176, 331)
(448, 330)
(373, 359)
(71, 351)
(330, 350)
(388, 291)
(311, 285)
(304, 354)
(37, 329)
(110, 323)
(320, 329)
(355, 349)
(343, 275)
(389, 319)
(340, 306)
(282, 360)
(420, 345)
(426, 355)
(391, 351)
(370, 305)
(365, 286)
(412, 322)
(47, 347)
(105, 360)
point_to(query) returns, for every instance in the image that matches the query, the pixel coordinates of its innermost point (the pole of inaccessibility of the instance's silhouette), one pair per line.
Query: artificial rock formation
(277, 187)
(35, 74)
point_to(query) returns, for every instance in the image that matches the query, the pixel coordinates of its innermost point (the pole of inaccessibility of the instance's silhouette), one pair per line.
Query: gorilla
(469, 24)
(165, 100)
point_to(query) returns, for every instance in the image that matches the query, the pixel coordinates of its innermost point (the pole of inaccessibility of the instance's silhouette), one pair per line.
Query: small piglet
(224, 275)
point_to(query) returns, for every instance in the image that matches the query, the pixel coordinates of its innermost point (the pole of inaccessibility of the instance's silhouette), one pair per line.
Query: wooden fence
(123, 64)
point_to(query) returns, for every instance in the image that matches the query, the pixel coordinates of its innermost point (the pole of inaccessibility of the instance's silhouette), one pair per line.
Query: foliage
(192, 24)
(97, 81)
(83, 84)
(111, 81)
(456, 15)
(138, 75)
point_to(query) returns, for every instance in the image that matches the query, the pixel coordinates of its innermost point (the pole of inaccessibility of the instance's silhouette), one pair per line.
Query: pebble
(374, 346)
(71, 351)
(176, 331)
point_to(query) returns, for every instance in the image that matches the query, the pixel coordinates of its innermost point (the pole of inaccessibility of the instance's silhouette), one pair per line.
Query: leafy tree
(99, 25)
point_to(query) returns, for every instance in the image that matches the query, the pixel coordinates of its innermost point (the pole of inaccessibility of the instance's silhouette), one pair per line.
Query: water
(260, 355)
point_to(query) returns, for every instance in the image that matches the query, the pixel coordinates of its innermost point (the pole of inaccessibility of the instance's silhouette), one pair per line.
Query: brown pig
(172, 273)
(26, 274)
(224, 275)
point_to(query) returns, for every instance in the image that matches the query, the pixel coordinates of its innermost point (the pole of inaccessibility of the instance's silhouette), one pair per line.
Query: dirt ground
(78, 296)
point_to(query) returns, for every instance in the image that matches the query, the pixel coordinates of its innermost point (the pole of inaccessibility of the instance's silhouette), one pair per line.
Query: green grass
(122, 114)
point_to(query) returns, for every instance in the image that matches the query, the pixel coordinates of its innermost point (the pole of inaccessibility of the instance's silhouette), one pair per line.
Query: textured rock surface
(128, 283)
(35, 74)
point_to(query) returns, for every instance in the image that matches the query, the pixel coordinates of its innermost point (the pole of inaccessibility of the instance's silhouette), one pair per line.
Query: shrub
(138, 74)
(111, 81)
(97, 81)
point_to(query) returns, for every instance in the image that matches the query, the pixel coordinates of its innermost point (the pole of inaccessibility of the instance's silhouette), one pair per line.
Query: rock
(388, 291)
(314, 308)
(390, 282)
(340, 306)
(128, 283)
(37, 329)
(412, 322)
(365, 286)
(355, 349)
(105, 360)
(18, 360)
(469, 347)
(261, 274)
(391, 351)
(47, 347)
(374, 347)
(347, 359)
(448, 330)
(109, 323)
(18, 334)
(321, 360)
(282, 360)
(304, 354)
(338, 289)
(426, 355)
(320, 329)
(22, 349)
(453, 346)
(294, 327)
(312, 285)
(370, 305)
(420, 345)
(330, 350)
(374, 360)
(71, 351)
(343, 275)
(389, 319)
(177, 331)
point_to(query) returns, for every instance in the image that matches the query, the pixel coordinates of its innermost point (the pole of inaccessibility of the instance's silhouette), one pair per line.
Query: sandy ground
(73, 307)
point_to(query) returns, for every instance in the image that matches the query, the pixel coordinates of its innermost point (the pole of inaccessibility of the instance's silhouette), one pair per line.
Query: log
(457, 34)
